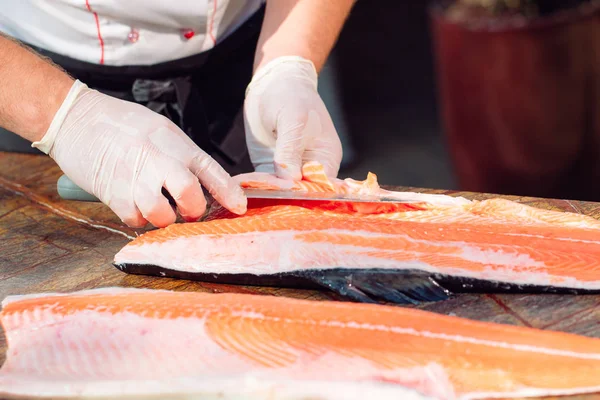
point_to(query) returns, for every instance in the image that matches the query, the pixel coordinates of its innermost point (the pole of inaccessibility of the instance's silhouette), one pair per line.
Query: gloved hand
(287, 123)
(124, 154)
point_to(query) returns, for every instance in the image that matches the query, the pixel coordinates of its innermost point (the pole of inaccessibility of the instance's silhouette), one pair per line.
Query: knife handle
(70, 191)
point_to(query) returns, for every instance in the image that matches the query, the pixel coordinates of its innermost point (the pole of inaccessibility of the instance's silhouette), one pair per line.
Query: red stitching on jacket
(212, 23)
(87, 4)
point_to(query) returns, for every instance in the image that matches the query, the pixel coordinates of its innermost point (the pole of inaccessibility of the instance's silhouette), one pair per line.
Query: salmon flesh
(117, 343)
(424, 250)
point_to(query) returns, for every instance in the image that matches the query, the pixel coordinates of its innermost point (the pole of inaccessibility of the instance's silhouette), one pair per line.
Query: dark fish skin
(367, 285)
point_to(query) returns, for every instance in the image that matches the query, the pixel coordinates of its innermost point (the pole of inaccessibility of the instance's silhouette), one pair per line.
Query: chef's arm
(305, 28)
(31, 90)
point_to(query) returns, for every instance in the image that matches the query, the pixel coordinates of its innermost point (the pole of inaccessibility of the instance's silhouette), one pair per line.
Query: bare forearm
(306, 28)
(32, 90)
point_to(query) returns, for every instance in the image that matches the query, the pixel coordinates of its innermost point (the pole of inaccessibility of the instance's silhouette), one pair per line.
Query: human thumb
(288, 156)
(292, 133)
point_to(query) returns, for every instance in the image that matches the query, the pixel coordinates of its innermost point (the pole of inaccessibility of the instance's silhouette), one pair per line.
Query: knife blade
(252, 193)
(70, 191)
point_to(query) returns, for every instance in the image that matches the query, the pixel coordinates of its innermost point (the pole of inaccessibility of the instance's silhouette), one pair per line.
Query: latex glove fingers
(154, 207)
(292, 135)
(260, 142)
(128, 212)
(124, 154)
(183, 186)
(147, 185)
(308, 134)
(327, 152)
(325, 147)
(206, 170)
(287, 122)
(157, 171)
(218, 182)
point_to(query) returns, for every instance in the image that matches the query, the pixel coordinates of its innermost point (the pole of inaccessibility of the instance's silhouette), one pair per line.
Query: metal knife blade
(70, 191)
(298, 195)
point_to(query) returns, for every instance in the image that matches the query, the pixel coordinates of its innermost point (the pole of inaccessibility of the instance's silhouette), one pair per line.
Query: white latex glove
(124, 154)
(287, 123)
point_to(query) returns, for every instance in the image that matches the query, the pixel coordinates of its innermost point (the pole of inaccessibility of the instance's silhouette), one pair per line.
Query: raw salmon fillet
(397, 252)
(118, 342)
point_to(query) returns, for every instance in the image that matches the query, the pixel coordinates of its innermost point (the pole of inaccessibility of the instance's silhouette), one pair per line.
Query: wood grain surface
(52, 245)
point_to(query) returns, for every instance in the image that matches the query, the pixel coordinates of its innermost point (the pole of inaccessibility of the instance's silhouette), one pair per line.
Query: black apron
(202, 94)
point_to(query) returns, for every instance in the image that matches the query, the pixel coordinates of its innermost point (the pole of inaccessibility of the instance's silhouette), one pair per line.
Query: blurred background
(383, 70)
(483, 99)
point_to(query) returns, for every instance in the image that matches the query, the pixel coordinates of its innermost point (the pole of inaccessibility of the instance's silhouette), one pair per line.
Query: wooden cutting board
(51, 245)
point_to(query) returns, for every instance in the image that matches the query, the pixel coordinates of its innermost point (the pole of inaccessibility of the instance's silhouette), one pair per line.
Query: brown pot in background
(520, 102)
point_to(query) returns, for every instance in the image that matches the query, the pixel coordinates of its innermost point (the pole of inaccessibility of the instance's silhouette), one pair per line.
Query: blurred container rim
(507, 24)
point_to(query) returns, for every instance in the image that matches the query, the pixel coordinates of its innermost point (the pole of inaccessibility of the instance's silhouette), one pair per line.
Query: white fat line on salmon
(493, 254)
(427, 334)
(484, 253)
(437, 216)
(564, 239)
(424, 231)
(477, 228)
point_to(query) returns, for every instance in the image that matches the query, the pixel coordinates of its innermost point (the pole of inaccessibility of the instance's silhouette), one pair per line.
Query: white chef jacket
(124, 32)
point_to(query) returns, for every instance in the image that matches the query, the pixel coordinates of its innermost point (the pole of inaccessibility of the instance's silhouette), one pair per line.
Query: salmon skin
(120, 343)
(395, 252)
